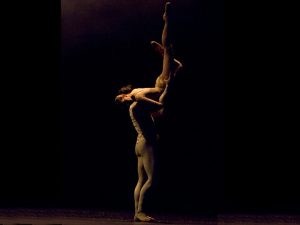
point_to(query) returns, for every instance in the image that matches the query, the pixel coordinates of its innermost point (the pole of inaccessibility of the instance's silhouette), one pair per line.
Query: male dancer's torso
(143, 122)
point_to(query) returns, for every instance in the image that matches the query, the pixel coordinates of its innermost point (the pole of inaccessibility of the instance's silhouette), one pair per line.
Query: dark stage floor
(93, 217)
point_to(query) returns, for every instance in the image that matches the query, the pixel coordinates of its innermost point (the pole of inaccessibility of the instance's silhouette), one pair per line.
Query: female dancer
(144, 102)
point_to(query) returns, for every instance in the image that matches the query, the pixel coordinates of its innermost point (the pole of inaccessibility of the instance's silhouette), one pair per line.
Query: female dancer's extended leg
(170, 65)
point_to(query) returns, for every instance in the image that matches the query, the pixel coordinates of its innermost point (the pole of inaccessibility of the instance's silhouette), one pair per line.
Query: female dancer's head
(124, 95)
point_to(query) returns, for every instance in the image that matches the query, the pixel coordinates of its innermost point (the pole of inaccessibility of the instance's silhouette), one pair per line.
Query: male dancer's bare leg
(145, 164)
(139, 184)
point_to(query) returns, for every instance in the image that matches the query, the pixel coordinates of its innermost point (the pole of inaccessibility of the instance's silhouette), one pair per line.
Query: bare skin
(145, 102)
(146, 143)
(170, 66)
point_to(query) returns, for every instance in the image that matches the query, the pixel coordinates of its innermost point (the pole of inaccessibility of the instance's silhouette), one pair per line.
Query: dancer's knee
(140, 180)
(149, 181)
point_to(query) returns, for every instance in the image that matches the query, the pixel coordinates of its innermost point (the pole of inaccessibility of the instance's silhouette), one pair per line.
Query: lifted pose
(144, 102)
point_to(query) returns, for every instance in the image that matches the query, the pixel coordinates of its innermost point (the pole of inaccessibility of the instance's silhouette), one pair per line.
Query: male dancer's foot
(142, 217)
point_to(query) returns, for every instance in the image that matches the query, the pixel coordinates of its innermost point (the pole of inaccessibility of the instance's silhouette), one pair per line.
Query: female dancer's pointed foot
(167, 7)
(167, 11)
(142, 217)
(178, 65)
(158, 47)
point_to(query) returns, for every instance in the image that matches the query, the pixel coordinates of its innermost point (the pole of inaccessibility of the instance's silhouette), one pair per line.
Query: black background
(69, 145)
